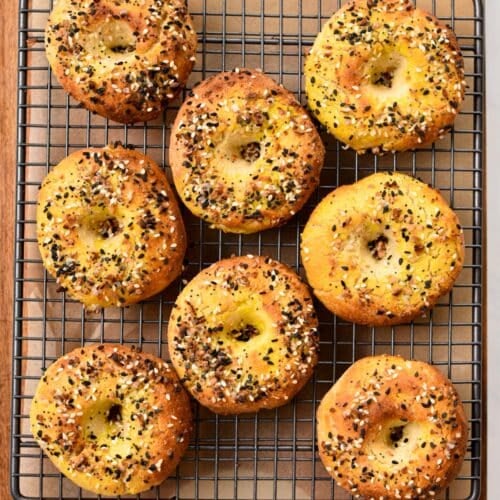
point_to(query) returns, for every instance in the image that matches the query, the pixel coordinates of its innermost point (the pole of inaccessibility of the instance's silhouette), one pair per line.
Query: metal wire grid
(270, 455)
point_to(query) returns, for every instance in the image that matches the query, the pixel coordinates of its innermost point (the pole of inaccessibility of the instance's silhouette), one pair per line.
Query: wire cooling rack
(271, 455)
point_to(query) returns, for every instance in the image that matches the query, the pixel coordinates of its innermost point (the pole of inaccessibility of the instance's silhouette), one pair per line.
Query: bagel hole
(118, 37)
(378, 247)
(121, 49)
(393, 439)
(114, 414)
(107, 228)
(250, 152)
(384, 70)
(245, 332)
(396, 436)
(384, 78)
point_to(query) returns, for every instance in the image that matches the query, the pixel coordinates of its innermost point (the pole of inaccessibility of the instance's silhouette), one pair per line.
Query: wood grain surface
(8, 97)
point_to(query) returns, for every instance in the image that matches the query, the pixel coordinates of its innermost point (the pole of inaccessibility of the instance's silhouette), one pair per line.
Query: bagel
(383, 75)
(113, 420)
(391, 428)
(243, 335)
(109, 228)
(121, 59)
(390, 246)
(244, 154)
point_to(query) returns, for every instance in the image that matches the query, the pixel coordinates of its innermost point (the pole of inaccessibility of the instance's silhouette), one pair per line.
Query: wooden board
(8, 63)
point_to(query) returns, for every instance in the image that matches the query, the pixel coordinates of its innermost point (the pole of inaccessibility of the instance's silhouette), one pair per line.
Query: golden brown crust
(109, 227)
(385, 76)
(112, 419)
(123, 60)
(245, 156)
(383, 250)
(242, 335)
(391, 428)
